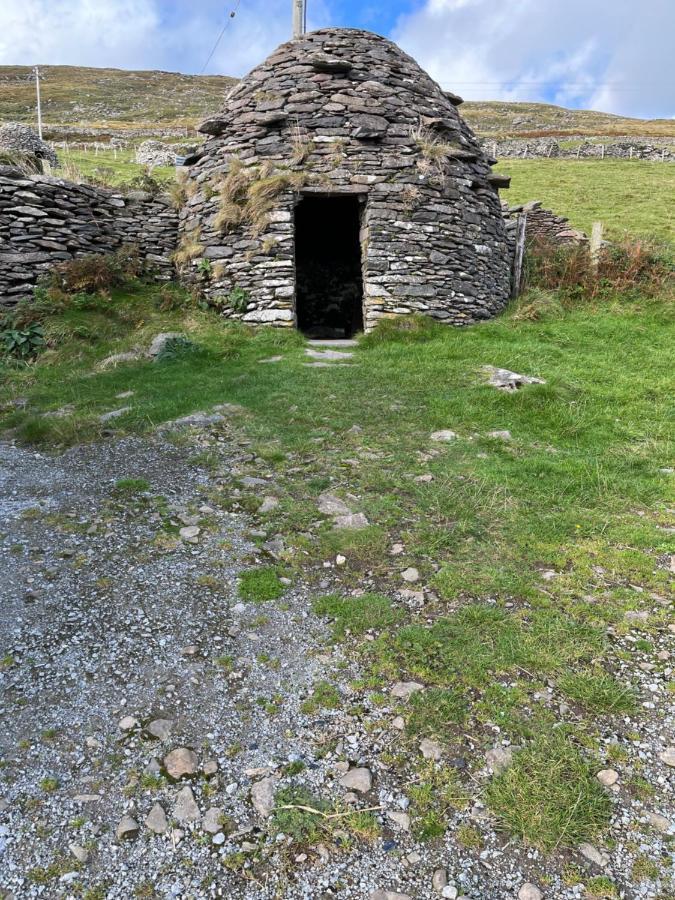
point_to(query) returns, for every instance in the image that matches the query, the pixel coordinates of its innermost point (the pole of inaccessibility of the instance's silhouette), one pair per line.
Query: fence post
(602, 156)
(521, 228)
(596, 244)
(631, 153)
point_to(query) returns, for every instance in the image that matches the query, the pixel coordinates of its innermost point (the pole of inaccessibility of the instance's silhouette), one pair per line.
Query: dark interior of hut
(329, 278)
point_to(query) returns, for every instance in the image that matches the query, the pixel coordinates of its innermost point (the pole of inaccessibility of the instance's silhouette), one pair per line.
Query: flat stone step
(333, 342)
(326, 354)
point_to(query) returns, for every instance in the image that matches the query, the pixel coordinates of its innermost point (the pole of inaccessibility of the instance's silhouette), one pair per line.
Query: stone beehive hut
(339, 185)
(24, 140)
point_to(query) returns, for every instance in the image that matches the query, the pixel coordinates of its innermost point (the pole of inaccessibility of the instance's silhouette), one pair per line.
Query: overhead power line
(227, 24)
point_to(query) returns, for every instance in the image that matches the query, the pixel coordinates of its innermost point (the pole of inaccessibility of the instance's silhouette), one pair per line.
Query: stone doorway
(328, 267)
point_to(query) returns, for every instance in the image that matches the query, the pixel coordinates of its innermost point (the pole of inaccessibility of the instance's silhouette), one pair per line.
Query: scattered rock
(439, 880)
(110, 362)
(354, 520)
(210, 767)
(160, 341)
(330, 505)
(431, 749)
(444, 436)
(608, 777)
(80, 854)
(213, 820)
(530, 891)
(160, 729)
(388, 895)
(668, 756)
(505, 380)
(128, 828)
(181, 763)
(410, 575)
(659, 822)
(128, 723)
(358, 779)
(398, 723)
(114, 414)
(186, 809)
(156, 819)
(268, 504)
(592, 854)
(190, 534)
(403, 690)
(400, 819)
(262, 796)
(498, 758)
(500, 435)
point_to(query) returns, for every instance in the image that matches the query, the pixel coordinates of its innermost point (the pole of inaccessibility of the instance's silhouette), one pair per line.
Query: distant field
(117, 99)
(106, 166)
(628, 196)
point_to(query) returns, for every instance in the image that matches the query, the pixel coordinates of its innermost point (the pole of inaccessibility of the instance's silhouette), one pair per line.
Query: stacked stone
(155, 153)
(23, 139)
(550, 148)
(543, 224)
(44, 221)
(354, 114)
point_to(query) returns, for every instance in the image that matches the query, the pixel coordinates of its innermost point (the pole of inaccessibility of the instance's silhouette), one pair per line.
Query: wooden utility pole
(299, 18)
(519, 255)
(36, 73)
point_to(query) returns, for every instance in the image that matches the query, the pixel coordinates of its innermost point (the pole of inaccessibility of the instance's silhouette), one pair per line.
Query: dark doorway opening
(328, 276)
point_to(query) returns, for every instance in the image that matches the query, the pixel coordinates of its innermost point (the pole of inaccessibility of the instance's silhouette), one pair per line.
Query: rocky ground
(153, 723)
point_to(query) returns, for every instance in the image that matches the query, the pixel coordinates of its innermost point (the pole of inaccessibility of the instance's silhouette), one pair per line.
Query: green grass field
(533, 548)
(109, 167)
(628, 196)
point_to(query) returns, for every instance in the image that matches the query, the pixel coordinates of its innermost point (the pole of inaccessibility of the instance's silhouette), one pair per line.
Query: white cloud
(607, 54)
(604, 54)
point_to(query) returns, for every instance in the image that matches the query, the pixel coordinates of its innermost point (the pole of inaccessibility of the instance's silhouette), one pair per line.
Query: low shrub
(623, 270)
(22, 343)
(94, 273)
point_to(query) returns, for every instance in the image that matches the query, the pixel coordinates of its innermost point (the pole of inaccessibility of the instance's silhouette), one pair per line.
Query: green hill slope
(119, 100)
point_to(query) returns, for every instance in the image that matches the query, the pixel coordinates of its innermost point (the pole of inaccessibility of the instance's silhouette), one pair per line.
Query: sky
(612, 55)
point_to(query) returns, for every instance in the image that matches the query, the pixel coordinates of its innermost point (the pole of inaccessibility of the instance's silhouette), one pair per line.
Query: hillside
(118, 100)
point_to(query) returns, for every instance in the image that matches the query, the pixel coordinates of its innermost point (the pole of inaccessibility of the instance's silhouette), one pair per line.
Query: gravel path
(113, 627)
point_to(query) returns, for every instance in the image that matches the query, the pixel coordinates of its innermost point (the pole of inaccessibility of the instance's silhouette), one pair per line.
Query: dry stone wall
(550, 148)
(543, 224)
(346, 111)
(44, 221)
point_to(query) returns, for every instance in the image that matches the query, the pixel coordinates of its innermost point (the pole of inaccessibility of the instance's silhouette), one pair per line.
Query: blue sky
(612, 55)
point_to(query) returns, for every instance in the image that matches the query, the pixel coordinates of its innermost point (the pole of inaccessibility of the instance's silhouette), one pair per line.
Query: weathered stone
(262, 796)
(127, 828)
(358, 779)
(498, 758)
(186, 809)
(509, 381)
(656, 820)
(213, 820)
(400, 819)
(156, 819)
(388, 895)
(592, 854)
(431, 749)
(181, 763)
(160, 729)
(667, 756)
(608, 777)
(330, 505)
(403, 690)
(530, 891)
(444, 436)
